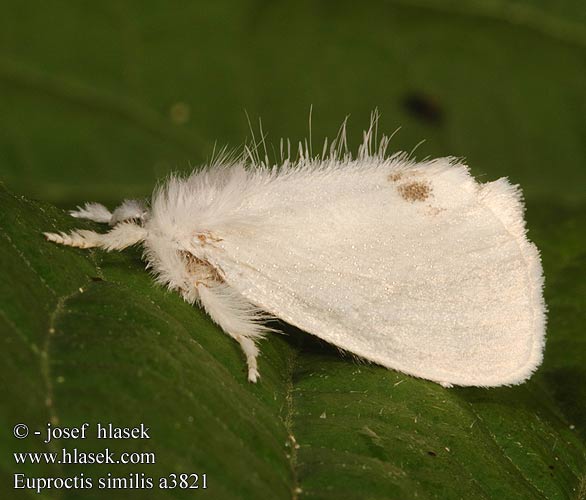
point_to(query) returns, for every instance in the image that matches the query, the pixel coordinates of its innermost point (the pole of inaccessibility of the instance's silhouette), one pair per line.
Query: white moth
(414, 266)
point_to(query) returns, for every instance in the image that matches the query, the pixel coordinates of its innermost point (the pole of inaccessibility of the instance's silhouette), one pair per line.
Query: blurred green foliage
(100, 100)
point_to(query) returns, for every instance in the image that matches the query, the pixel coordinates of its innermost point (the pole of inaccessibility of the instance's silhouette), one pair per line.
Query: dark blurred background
(98, 100)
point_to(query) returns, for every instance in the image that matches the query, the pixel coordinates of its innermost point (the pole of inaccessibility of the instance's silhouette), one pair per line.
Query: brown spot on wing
(415, 191)
(395, 176)
(206, 237)
(431, 210)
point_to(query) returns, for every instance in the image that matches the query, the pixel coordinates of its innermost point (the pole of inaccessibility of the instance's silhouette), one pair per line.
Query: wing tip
(505, 200)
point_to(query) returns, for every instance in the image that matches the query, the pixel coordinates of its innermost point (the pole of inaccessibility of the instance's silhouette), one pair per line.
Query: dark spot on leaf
(551, 467)
(96, 278)
(432, 453)
(424, 107)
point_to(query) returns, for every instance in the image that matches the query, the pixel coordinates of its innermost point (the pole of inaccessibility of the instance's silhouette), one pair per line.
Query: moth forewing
(415, 267)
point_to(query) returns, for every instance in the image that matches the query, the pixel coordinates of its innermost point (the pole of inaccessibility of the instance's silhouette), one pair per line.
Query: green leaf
(89, 338)
(99, 101)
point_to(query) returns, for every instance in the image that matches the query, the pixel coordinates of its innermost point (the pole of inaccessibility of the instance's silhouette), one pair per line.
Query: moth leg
(251, 352)
(92, 211)
(122, 236)
(129, 209)
(237, 317)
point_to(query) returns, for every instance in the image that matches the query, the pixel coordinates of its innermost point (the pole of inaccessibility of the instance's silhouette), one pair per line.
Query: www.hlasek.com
(52, 435)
